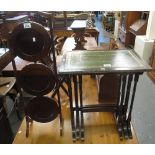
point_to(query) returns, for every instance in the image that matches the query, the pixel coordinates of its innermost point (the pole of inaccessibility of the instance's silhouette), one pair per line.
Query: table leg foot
(129, 131)
(77, 134)
(61, 126)
(61, 132)
(120, 131)
(125, 131)
(73, 136)
(82, 135)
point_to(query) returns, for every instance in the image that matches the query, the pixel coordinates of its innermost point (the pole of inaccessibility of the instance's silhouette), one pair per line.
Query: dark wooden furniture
(152, 64)
(138, 28)
(31, 42)
(107, 86)
(108, 21)
(64, 29)
(63, 19)
(10, 23)
(39, 108)
(8, 70)
(127, 19)
(100, 128)
(68, 32)
(69, 44)
(52, 62)
(78, 27)
(126, 64)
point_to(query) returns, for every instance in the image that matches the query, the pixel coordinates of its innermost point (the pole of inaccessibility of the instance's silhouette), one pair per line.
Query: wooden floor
(100, 128)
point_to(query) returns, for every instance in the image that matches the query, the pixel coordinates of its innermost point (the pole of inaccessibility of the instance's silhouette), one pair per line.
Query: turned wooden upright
(78, 27)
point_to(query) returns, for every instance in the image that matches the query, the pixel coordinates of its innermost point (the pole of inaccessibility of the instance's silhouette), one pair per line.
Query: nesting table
(125, 63)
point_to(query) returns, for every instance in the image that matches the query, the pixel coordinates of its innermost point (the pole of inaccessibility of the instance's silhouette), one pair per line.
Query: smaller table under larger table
(124, 63)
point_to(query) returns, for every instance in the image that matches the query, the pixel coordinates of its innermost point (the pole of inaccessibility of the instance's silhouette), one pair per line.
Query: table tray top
(89, 62)
(78, 24)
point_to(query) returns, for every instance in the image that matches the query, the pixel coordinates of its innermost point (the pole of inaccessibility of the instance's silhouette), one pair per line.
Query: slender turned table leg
(60, 113)
(131, 105)
(120, 108)
(125, 106)
(118, 94)
(76, 106)
(81, 110)
(71, 108)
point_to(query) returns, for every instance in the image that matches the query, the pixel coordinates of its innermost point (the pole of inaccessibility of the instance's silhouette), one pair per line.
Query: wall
(144, 44)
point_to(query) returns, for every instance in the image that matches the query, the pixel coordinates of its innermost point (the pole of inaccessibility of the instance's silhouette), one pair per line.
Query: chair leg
(27, 126)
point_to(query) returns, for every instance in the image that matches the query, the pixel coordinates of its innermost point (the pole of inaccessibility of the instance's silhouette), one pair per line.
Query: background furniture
(9, 23)
(108, 21)
(78, 27)
(138, 28)
(69, 44)
(67, 33)
(127, 19)
(68, 19)
(63, 19)
(152, 64)
(107, 85)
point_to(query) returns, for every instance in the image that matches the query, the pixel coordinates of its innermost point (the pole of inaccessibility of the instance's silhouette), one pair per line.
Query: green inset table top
(89, 62)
